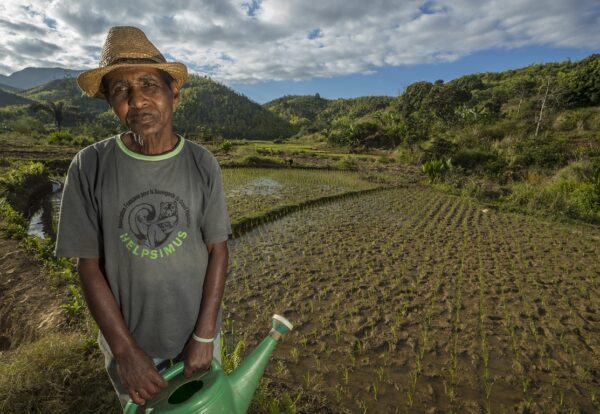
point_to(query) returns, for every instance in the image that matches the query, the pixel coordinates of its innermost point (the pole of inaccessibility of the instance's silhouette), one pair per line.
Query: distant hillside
(30, 77)
(211, 109)
(7, 98)
(88, 110)
(313, 113)
(298, 108)
(10, 89)
(206, 109)
(65, 89)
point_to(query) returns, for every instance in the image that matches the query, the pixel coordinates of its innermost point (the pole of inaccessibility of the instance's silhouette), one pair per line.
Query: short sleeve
(216, 226)
(79, 233)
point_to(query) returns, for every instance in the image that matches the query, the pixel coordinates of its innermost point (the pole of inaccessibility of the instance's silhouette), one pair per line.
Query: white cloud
(253, 40)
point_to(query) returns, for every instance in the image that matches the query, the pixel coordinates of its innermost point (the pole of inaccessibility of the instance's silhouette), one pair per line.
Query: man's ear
(175, 91)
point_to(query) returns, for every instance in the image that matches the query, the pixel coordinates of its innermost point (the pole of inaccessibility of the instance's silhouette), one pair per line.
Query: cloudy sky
(339, 48)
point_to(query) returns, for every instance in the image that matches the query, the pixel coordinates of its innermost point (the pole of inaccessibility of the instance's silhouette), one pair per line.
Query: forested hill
(7, 98)
(423, 106)
(313, 113)
(65, 89)
(207, 109)
(210, 109)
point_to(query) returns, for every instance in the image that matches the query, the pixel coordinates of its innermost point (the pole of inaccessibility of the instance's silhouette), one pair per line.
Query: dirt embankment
(29, 306)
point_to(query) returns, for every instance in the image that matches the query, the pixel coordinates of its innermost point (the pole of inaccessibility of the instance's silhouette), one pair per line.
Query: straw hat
(127, 46)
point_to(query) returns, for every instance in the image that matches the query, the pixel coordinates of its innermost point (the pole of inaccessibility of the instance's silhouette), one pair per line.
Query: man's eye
(149, 84)
(119, 90)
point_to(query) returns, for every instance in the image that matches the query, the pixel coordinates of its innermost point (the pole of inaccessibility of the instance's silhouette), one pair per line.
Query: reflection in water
(45, 212)
(259, 186)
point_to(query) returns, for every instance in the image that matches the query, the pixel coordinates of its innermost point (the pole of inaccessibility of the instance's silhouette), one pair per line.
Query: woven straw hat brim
(90, 80)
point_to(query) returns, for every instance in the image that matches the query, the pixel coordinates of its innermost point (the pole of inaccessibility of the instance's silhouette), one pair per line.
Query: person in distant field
(144, 213)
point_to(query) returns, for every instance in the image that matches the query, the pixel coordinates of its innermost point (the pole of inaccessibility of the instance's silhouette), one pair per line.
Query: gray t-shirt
(151, 218)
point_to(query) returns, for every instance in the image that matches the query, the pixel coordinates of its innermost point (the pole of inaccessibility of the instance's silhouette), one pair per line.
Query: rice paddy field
(252, 192)
(404, 300)
(410, 300)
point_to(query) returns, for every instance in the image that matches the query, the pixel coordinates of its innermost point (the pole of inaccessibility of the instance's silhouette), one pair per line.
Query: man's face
(141, 99)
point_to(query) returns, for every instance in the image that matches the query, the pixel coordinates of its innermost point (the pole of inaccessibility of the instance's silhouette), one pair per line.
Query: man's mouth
(141, 118)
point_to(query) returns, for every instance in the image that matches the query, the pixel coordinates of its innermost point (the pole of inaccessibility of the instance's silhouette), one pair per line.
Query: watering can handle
(178, 368)
(172, 373)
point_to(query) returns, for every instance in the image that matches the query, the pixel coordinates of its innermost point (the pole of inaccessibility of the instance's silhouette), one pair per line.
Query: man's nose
(137, 98)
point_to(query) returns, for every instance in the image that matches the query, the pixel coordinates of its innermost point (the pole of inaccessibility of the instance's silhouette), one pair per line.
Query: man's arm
(199, 355)
(135, 367)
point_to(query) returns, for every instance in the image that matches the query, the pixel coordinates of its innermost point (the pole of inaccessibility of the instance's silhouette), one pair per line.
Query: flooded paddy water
(253, 191)
(409, 300)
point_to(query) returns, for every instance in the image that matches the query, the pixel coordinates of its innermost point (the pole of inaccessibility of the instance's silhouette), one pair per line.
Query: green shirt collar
(144, 157)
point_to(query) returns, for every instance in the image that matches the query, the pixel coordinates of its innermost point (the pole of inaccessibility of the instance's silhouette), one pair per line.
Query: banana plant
(436, 169)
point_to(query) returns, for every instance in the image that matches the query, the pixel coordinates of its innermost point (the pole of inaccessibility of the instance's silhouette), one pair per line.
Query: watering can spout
(245, 379)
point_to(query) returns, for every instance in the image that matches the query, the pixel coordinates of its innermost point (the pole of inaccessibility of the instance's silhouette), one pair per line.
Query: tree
(413, 97)
(582, 85)
(57, 110)
(539, 120)
(522, 88)
(443, 100)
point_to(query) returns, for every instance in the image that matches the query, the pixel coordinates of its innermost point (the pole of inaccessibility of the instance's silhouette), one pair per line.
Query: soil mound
(29, 307)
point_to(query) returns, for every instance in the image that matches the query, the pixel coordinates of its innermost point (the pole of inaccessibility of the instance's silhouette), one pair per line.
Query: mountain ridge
(31, 77)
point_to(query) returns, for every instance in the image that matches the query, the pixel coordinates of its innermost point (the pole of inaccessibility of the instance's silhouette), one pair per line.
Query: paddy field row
(409, 300)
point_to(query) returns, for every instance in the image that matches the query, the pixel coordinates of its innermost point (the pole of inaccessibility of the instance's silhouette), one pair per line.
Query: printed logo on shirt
(152, 224)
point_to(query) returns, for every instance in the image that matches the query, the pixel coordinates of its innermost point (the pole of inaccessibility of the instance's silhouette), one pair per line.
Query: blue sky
(337, 48)
(392, 80)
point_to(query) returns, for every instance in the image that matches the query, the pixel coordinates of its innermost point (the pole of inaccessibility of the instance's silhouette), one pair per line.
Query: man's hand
(197, 357)
(139, 376)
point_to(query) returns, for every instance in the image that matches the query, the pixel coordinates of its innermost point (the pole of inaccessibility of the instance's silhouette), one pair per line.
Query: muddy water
(413, 301)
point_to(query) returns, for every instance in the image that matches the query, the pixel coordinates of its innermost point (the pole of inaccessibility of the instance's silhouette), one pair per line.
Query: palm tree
(56, 109)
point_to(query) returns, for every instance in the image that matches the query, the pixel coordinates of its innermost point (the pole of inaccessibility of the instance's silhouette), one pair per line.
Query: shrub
(436, 170)
(545, 152)
(560, 198)
(21, 176)
(438, 148)
(409, 154)
(346, 163)
(13, 224)
(470, 159)
(493, 132)
(26, 125)
(226, 146)
(255, 161)
(65, 137)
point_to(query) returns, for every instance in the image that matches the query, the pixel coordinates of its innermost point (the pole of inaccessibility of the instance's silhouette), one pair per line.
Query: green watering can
(213, 392)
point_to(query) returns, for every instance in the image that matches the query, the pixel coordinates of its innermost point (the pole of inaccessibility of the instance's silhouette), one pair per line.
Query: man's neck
(152, 144)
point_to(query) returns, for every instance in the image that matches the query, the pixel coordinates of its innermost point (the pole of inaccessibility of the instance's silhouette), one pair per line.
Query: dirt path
(29, 307)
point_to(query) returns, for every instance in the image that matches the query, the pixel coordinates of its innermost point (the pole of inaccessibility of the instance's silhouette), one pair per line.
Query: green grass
(560, 199)
(60, 373)
(21, 175)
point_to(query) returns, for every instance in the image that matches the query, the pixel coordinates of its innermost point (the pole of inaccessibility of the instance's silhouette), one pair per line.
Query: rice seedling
(295, 355)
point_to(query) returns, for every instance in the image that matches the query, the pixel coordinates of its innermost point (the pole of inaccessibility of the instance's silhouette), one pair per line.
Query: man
(145, 215)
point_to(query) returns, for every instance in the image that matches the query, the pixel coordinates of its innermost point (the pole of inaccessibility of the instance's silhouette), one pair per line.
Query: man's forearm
(214, 285)
(104, 307)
